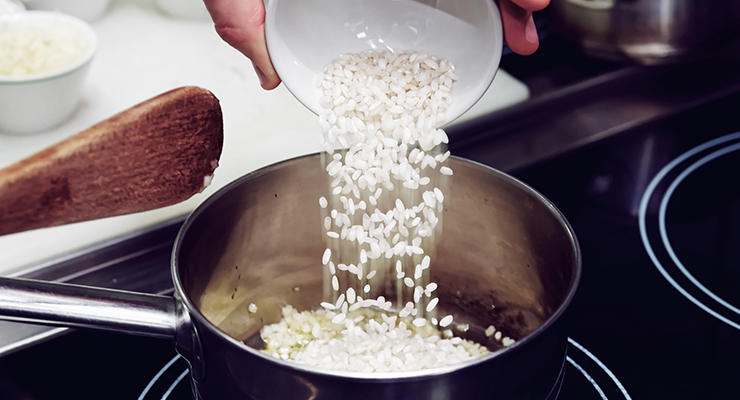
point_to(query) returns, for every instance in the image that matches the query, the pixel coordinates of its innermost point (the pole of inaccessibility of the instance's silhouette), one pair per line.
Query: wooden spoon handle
(155, 154)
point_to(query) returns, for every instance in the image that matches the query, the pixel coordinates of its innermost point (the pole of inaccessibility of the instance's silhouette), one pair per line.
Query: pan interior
(504, 258)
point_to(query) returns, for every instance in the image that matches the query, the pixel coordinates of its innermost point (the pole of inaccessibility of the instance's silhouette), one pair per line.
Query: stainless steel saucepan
(650, 32)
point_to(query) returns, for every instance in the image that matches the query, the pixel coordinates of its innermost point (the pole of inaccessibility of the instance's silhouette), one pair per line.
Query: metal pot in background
(259, 240)
(651, 32)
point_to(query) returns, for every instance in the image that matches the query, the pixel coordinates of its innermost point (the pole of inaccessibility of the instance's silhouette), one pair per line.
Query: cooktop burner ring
(572, 344)
(159, 375)
(662, 217)
(709, 151)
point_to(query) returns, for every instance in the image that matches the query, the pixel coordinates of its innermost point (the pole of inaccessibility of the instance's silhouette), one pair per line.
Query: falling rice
(386, 170)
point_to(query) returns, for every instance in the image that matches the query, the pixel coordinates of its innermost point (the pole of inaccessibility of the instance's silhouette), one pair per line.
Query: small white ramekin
(34, 103)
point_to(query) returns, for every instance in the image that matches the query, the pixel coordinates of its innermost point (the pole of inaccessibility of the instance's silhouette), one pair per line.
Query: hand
(241, 24)
(520, 33)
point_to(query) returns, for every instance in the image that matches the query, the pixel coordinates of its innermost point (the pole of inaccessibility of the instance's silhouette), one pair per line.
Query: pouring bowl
(304, 36)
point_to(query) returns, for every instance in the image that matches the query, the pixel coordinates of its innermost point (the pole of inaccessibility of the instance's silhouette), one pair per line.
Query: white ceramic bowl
(303, 36)
(33, 103)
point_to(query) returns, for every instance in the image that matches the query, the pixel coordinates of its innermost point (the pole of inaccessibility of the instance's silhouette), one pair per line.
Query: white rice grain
(432, 303)
(326, 257)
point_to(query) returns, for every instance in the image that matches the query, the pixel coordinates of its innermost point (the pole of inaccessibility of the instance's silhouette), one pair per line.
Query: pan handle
(62, 304)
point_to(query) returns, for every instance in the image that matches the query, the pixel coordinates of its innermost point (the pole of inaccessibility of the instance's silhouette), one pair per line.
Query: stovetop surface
(657, 215)
(656, 316)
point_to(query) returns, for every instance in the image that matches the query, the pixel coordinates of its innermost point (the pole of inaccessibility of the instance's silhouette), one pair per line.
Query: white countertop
(142, 53)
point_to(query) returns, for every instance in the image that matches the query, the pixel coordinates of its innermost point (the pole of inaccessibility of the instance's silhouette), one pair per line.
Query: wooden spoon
(155, 154)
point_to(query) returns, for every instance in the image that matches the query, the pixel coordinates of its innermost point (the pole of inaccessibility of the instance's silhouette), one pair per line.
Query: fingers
(520, 31)
(241, 24)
